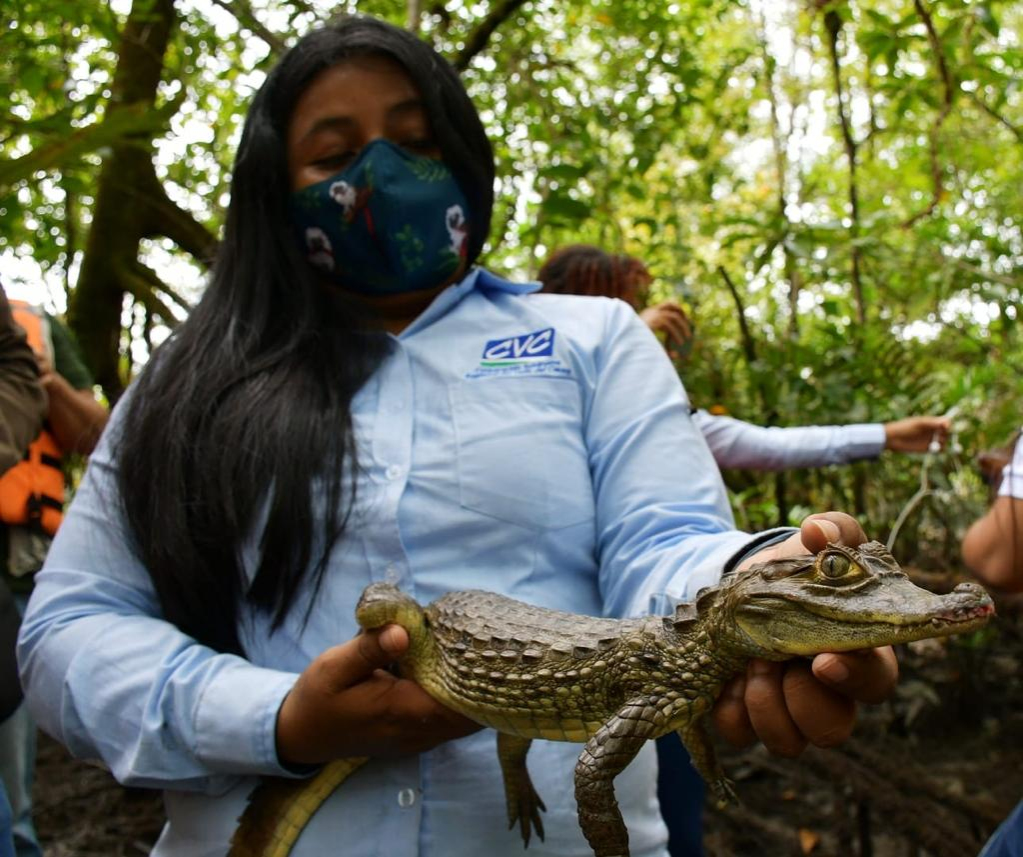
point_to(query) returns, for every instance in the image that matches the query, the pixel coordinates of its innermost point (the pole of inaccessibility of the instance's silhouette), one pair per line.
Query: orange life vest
(32, 492)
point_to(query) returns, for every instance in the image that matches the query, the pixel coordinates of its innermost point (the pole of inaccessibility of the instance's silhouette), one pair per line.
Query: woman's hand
(346, 704)
(791, 704)
(671, 326)
(916, 434)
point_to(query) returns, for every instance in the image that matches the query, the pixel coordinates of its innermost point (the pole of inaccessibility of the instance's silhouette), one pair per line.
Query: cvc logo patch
(525, 355)
(519, 349)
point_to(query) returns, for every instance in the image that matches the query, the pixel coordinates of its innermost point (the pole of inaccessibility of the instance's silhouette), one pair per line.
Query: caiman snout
(967, 601)
(972, 589)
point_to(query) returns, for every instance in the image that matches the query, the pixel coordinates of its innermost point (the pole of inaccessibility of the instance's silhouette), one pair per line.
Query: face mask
(390, 222)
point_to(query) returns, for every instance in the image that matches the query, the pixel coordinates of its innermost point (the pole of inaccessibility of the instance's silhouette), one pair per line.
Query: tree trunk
(122, 216)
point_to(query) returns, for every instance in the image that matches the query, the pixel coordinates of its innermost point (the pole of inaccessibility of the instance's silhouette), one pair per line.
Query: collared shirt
(1012, 475)
(739, 444)
(539, 446)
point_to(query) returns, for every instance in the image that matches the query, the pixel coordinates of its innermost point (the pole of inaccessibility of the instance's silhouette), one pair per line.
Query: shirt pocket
(521, 453)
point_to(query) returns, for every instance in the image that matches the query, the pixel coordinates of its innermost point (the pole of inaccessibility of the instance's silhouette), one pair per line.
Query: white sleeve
(739, 444)
(1012, 475)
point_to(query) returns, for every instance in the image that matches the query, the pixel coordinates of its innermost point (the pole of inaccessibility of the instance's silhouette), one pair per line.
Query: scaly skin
(530, 673)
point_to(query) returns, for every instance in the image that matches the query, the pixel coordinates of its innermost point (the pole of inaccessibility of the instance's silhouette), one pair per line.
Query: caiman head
(837, 600)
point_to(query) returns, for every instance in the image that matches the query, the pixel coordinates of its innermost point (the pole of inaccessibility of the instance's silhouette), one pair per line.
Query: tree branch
(833, 24)
(143, 283)
(128, 121)
(948, 93)
(1015, 130)
(748, 345)
(302, 6)
(480, 36)
(781, 170)
(415, 15)
(243, 13)
(174, 222)
(986, 275)
(165, 217)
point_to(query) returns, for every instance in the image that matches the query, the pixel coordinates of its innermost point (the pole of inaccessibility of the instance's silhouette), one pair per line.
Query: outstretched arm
(916, 434)
(743, 445)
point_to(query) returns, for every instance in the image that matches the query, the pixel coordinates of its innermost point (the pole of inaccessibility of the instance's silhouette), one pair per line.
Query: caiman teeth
(963, 613)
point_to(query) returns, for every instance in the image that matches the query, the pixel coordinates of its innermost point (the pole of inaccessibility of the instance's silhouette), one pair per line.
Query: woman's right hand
(672, 327)
(347, 704)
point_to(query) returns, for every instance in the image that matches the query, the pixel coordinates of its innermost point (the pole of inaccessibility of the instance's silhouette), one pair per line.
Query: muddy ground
(928, 774)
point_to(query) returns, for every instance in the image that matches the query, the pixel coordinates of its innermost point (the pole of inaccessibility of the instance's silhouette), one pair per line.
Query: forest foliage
(831, 187)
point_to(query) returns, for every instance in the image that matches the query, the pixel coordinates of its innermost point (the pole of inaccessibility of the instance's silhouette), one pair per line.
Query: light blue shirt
(739, 444)
(539, 446)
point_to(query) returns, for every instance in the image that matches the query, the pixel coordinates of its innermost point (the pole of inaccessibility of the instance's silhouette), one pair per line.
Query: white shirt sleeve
(739, 444)
(1012, 475)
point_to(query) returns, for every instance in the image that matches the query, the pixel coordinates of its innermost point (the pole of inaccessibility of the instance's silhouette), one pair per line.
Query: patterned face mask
(389, 222)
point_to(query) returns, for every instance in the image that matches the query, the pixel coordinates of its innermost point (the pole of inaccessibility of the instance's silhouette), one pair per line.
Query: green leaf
(564, 209)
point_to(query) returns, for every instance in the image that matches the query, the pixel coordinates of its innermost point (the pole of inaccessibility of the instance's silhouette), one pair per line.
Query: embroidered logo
(525, 354)
(507, 352)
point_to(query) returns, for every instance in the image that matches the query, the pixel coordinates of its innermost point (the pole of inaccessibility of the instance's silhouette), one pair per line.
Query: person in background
(355, 400)
(22, 399)
(993, 545)
(22, 409)
(993, 550)
(32, 497)
(582, 269)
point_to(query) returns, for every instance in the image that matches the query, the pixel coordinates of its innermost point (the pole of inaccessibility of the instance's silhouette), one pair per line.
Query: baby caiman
(612, 684)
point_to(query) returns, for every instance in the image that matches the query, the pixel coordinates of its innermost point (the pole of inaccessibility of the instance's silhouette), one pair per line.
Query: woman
(582, 269)
(993, 550)
(353, 401)
(993, 545)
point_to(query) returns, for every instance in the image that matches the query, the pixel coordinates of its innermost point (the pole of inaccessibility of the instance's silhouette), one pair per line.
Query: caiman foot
(524, 808)
(724, 793)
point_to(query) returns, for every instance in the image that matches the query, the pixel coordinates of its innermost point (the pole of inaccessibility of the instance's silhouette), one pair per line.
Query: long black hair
(248, 405)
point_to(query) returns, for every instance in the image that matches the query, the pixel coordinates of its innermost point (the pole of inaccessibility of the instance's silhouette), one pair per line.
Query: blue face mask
(390, 222)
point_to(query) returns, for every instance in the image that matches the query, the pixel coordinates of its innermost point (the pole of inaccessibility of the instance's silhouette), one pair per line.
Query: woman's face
(348, 106)
(345, 108)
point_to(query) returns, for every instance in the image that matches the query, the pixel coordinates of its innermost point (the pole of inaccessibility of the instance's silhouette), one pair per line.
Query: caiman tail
(280, 808)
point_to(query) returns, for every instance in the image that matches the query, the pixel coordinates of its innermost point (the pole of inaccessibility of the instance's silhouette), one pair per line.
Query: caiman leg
(524, 804)
(696, 738)
(603, 758)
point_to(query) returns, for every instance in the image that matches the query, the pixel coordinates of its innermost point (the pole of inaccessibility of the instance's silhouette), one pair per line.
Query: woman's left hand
(791, 704)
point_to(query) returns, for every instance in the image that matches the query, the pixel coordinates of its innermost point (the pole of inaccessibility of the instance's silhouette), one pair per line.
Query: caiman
(611, 684)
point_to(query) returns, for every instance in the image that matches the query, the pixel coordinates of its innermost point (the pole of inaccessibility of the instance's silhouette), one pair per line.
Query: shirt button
(406, 797)
(393, 472)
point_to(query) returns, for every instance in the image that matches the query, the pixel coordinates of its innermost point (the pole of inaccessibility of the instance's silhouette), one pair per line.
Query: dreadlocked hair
(582, 269)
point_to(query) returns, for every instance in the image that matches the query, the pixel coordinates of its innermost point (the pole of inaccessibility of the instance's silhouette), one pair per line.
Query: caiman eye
(835, 565)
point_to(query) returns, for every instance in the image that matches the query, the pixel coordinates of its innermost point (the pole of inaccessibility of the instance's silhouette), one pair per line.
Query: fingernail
(391, 639)
(737, 689)
(760, 668)
(829, 530)
(832, 668)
